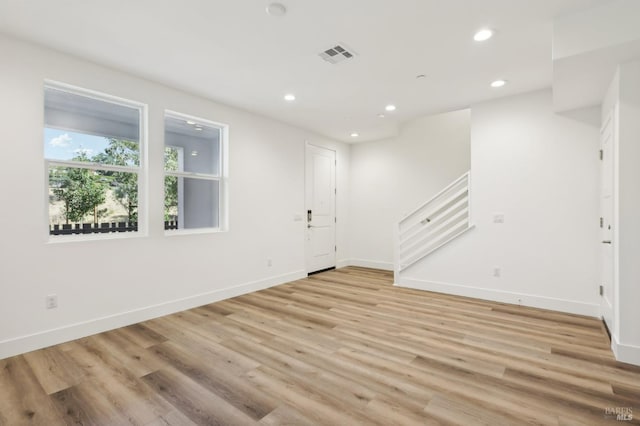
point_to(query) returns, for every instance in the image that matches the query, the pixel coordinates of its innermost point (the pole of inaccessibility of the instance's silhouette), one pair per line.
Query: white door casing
(320, 208)
(607, 140)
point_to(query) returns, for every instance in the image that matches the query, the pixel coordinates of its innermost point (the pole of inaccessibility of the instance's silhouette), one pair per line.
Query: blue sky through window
(64, 145)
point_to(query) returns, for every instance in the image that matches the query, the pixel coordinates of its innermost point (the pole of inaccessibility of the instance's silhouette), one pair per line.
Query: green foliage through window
(170, 184)
(121, 152)
(82, 191)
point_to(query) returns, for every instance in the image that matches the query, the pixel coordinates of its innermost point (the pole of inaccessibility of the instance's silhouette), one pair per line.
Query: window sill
(195, 231)
(63, 239)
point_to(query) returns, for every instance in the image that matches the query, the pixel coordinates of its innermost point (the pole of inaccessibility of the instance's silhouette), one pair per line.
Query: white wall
(609, 24)
(587, 47)
(627, 225)
(391, 177)
(541, 171)
(110, 283)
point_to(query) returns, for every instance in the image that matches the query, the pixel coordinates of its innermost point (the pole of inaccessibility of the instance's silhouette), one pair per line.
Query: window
(93, 160)
(194, 181)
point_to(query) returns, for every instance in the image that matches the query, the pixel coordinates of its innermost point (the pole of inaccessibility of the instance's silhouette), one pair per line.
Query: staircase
(432, 225)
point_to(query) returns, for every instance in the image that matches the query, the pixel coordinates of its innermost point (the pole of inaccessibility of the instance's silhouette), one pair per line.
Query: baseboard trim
(343, 263)
(542, 302)
(374, 264)
(625, 353)
(27, 343)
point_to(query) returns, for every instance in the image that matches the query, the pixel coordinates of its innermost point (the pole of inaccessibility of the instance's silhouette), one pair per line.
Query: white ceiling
(582, 80)
(233, 52)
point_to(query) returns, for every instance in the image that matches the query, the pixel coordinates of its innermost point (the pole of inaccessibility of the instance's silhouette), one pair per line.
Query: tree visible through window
(92, 153)
(81, 191)
(122, 152)
(171, 185)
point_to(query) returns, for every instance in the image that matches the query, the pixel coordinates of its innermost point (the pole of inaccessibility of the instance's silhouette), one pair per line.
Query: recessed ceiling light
(289, 97)
(498, 83)
(390, 108)
(380, 115)
(355, 135)
(191, 122)
(276, 9)
(199, 129)
(483, 35)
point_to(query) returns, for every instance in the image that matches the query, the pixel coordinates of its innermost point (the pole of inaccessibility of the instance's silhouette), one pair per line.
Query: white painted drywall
(391, 177)
(627, 231)
(540, 170)
(610, 24)
(110, 283)
(587, 47)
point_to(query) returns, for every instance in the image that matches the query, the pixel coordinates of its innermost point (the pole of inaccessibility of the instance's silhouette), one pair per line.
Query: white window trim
(141, 169)
(92, 166)
(221, 177)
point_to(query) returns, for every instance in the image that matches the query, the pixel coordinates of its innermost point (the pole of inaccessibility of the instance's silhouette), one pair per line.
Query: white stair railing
(432, 225)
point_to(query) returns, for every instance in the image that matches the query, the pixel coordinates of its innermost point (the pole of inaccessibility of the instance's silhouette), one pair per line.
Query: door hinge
(601, 154)
(601, 222)
(335, 190)
(601, 290)
(335, 220)
(335, 248)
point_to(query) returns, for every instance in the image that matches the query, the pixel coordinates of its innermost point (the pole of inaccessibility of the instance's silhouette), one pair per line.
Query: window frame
(221, 177)
(140, 170)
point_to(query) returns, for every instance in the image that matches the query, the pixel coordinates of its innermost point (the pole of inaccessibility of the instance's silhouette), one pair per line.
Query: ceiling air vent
(337, 53)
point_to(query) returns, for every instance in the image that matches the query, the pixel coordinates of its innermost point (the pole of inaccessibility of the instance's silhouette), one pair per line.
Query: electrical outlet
(497, 272)
(51, 301)
(498, 218)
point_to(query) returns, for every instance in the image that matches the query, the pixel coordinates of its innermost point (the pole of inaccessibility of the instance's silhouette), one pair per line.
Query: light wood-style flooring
(342, 347)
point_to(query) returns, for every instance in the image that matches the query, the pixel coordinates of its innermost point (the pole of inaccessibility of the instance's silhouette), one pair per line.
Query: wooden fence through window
(101, 228)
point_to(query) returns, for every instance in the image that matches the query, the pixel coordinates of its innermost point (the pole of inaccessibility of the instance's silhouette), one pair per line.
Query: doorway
(320, 208)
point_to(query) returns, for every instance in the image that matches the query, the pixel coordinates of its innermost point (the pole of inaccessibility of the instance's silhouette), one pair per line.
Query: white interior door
(606, 222)
(320, 206)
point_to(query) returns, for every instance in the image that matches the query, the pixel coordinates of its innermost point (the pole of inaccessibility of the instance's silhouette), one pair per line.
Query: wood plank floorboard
(343, 347)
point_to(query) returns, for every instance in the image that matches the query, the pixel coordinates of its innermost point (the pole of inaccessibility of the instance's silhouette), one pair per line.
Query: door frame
(612, 311)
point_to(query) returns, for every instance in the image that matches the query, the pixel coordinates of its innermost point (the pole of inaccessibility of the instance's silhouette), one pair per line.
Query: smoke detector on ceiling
(338, 53)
